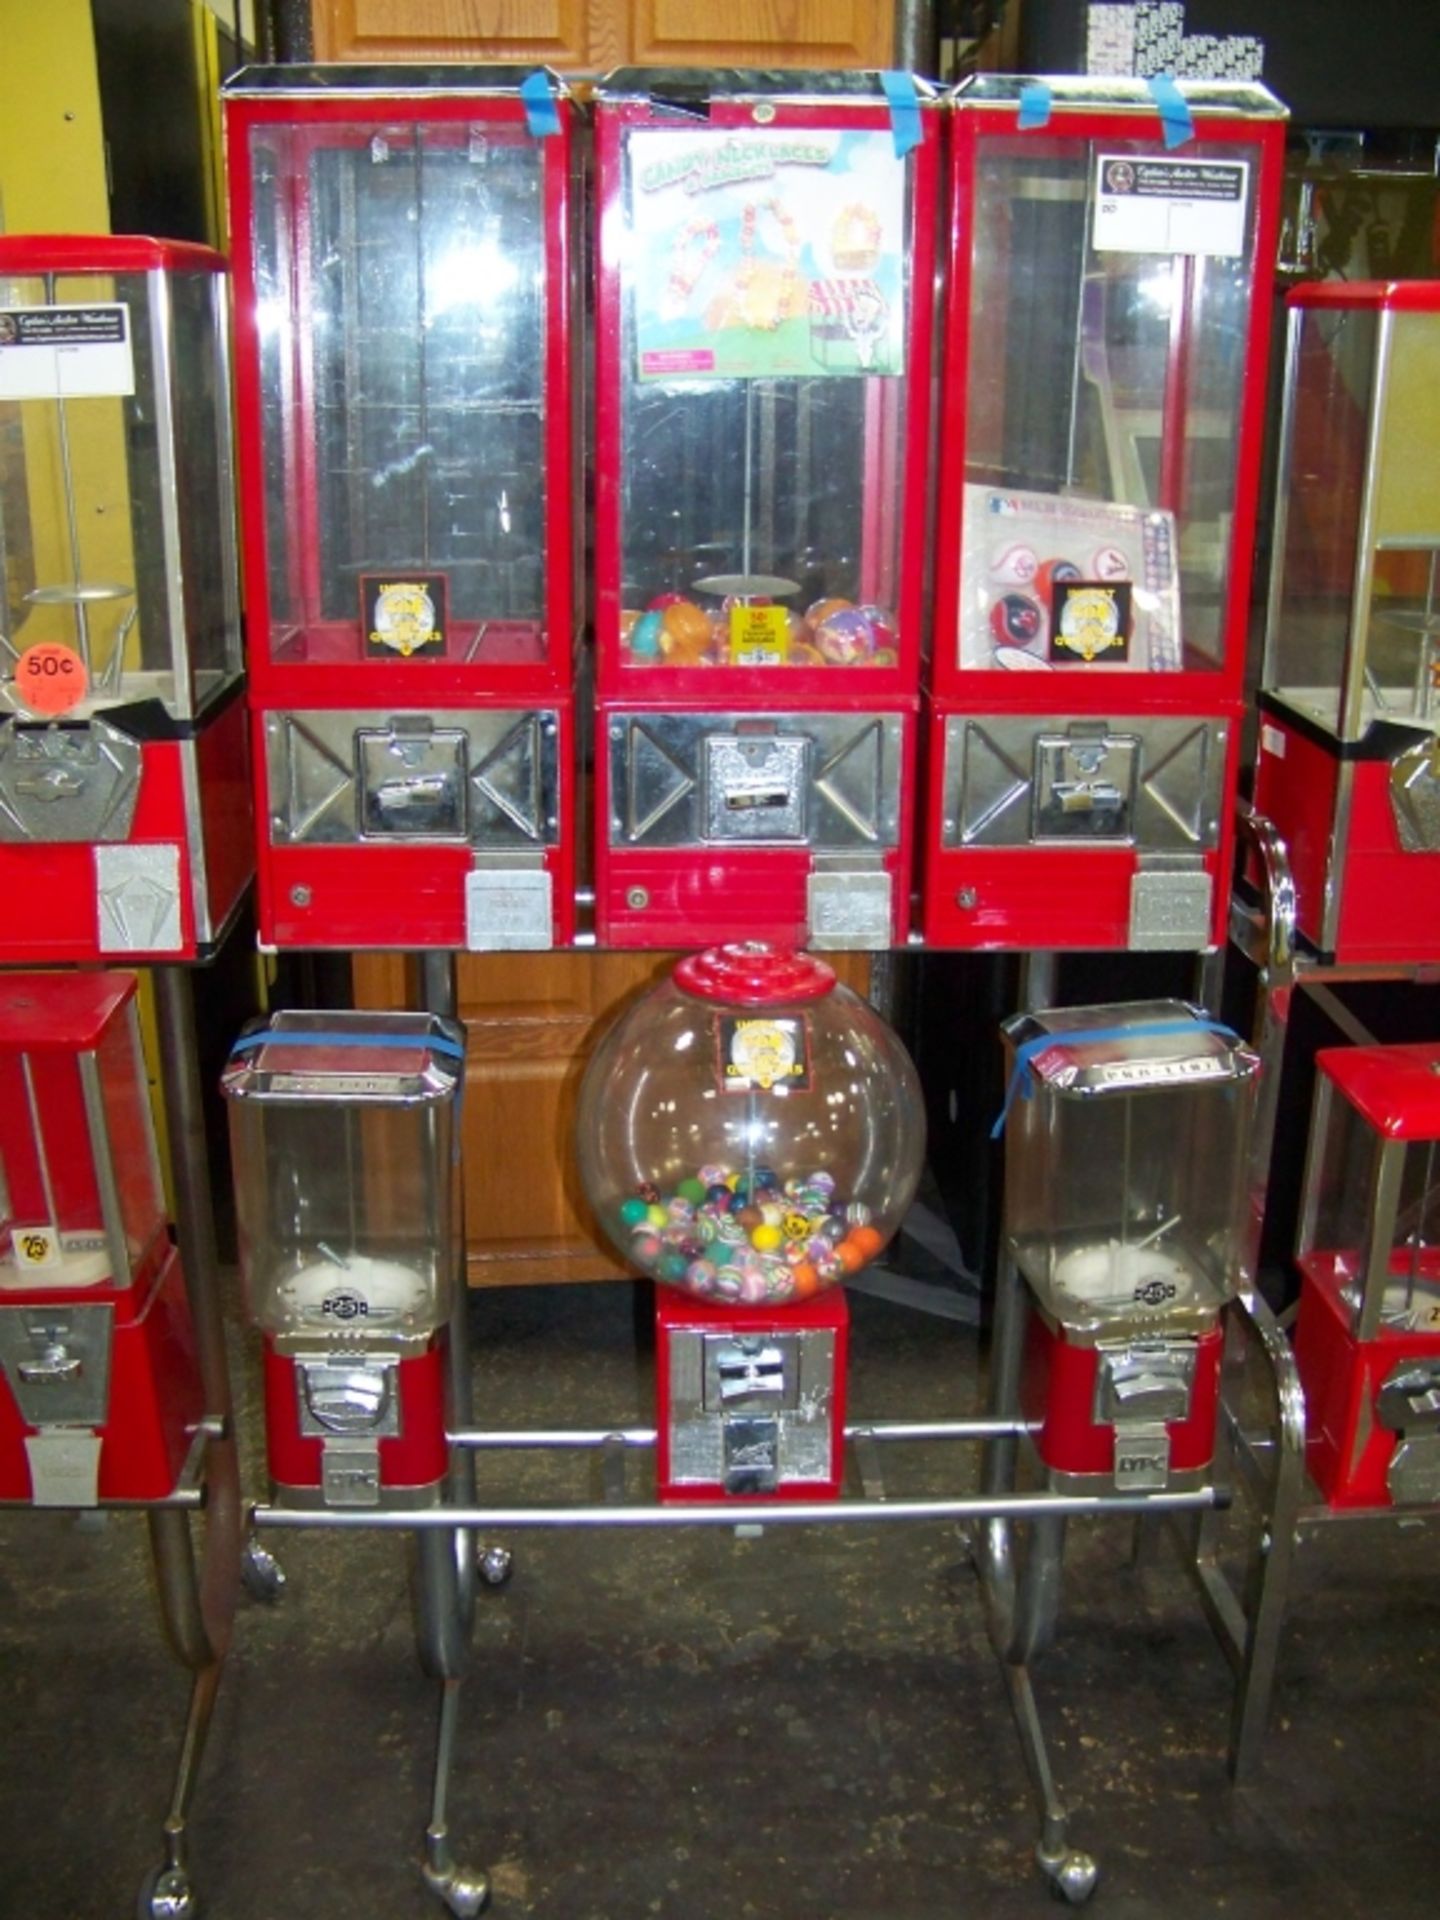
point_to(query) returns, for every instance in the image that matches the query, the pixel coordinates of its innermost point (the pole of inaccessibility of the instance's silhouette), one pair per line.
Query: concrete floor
(700, 1728)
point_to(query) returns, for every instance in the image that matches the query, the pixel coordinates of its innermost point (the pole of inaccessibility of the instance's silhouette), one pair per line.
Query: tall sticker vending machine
(124, 778)
(404, 247)
(1349, 762)
(764, 327)
(1110, 267)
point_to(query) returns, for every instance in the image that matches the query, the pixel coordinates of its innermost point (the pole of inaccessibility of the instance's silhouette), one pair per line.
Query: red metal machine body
(124, 779)
(100, 1390)
(405, 247)
(1103, 385)
(764, 327)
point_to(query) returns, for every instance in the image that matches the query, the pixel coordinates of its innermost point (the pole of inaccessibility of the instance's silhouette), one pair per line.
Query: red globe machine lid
(752, 973)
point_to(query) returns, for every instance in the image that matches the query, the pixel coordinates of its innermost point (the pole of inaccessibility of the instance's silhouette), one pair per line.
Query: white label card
(64, 1467)
(65, 353)
(1149, 205)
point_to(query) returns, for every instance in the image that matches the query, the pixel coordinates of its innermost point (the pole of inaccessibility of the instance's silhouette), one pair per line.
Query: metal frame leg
(1022, 1595)
(463, 1890)
(198, 1606)
(447, 1559)
(1248, 1627)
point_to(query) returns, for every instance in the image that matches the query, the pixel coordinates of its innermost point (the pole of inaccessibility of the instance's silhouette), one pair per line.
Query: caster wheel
(464, 1893)
(261, 1574)
(1072, 1877)
(495, 1564)
(166, 1894)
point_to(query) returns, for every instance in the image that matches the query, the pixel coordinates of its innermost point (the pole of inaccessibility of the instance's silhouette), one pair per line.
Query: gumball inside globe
(750, 1131)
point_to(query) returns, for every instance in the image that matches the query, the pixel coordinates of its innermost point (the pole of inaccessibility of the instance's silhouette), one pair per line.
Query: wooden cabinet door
(760, 33)
(556, 33)
(590, 36)
(532, 1020)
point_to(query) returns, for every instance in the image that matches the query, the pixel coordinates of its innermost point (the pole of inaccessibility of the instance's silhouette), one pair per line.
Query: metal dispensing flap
(385, 1059)
(1085, 1051)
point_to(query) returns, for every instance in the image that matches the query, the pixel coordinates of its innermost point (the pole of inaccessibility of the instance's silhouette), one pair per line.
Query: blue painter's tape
(1174, 114)
(1021, 1077)
(904, 98)
(361, 1042)
(542, 116)
(1034, 105)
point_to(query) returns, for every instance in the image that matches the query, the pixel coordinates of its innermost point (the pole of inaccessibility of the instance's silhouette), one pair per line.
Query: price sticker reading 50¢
(51, 678)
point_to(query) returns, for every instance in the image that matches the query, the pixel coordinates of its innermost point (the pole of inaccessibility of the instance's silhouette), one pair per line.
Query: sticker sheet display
(1054, 584)
(766, 253)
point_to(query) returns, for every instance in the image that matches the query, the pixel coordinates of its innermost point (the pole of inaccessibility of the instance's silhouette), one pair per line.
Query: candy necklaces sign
(766, 254)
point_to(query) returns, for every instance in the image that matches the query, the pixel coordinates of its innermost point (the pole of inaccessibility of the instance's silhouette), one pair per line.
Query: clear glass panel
(1343, 1191)
(81, 526)
(1101, 369)
(129, 1132)
(401, 289)
(50, 1176)
(1331, 381)
(1121, 1206)
(1412, 1293)
(345, 1215)
(203, 480)
(763, 388)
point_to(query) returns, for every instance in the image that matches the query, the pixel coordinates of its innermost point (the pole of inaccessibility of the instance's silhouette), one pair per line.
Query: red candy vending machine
(124, 779)
(1349, 762)
(750, 1134)
(404, 247)
(1111, 258)
(100, 1393)
(343, 1132)
(1367, 1334)
(1125, 1205)
(764, 335)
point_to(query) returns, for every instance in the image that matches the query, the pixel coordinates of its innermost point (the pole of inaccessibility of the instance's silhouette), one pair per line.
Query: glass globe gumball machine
(750, 1134)
(343, 1131)
(1367, 1334)
(1124, 1205)
(101, 1391)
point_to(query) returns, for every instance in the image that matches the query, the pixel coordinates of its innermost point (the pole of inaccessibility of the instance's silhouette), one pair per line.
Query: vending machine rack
(197, 1599)
(1263, 1409)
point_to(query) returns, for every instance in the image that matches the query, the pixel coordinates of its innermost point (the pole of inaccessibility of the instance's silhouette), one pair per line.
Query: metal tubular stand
(446, 1561)
(1268, 1457)
(1021, 1592)
(198, 1606)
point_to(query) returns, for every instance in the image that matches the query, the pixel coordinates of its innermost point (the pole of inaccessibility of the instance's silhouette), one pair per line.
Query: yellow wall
(52, 180)
(52, 152)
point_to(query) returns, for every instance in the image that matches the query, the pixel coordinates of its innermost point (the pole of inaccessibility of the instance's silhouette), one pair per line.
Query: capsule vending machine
(1349, 766)
(344, 1137)
(1111, 259)
(124, 778)
(101, 1395)
(765, 256)
(403, 256)
(1125, 1204)
(1367, 1332)
(750, 1133)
